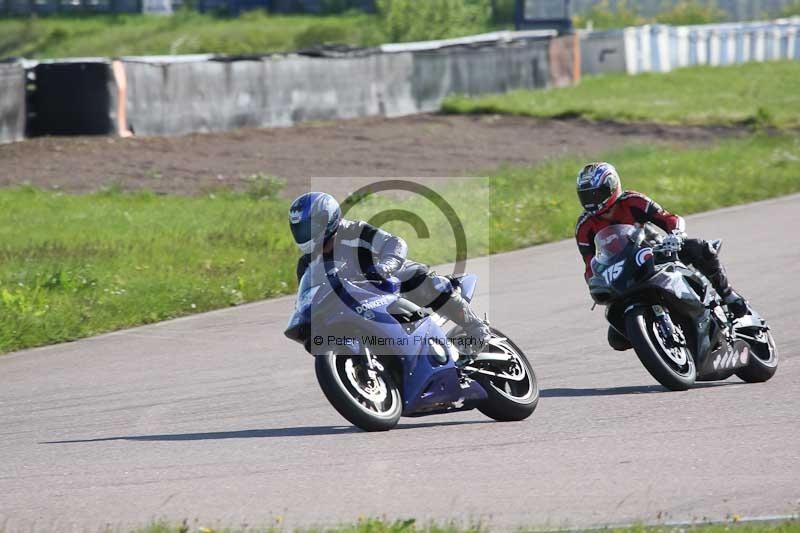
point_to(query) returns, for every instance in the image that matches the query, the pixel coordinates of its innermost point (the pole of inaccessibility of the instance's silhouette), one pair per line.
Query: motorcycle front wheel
(672, 366)
(370, 402)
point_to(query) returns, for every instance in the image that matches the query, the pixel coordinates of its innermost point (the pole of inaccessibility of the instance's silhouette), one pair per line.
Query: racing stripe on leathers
(368, 243)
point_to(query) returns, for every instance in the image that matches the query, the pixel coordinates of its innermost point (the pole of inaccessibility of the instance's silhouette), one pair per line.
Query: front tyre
(513, 392)
(372, 403)
(763, 359)
(671, 365)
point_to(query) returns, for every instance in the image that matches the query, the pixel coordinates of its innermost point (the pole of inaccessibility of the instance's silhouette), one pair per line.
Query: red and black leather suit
(633, 207)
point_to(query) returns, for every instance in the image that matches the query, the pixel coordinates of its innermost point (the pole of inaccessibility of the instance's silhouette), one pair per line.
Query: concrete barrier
(168, 96)
(12, 102)
(172, 95)
(468, 71)
(602, 52)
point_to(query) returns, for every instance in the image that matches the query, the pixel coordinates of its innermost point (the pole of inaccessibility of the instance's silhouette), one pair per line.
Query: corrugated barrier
(12, 102)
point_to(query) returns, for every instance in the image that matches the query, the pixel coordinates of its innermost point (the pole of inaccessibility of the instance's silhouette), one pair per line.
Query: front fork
(672, 335)
(371, 364)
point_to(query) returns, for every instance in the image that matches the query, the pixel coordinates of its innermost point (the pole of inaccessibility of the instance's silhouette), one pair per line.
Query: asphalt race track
(217, 418)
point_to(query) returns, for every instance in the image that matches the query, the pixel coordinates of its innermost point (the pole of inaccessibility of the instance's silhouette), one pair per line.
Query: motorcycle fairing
(678, 285)
(723, 362)
(430, 379)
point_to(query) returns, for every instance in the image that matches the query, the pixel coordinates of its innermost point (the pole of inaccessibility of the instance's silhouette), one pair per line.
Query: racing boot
(737, 305)
(617, 340)
(477, 333)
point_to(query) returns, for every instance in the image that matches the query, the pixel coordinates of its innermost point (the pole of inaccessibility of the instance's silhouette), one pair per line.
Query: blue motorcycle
(379, 356)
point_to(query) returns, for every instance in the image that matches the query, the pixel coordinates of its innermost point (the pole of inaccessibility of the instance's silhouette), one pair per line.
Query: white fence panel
(660, 48)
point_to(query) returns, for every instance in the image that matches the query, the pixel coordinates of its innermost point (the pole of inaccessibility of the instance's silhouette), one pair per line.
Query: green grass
(625, 13)
(532, 206)
(412, 526)
(254, 32)
(73, 266)
(183, 33)
(762, 94)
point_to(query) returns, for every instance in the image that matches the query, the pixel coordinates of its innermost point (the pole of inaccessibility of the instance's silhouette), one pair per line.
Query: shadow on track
(303, 431)
(617, 391)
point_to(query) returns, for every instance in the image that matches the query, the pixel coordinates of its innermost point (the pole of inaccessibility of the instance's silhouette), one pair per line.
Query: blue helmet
(599, 187)
(313, 217)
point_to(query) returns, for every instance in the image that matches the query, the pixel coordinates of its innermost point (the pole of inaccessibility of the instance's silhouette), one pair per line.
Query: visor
(301, 231)
(593, 199)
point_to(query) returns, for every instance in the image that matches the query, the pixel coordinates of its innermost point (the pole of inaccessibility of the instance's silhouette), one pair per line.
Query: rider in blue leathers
(316, 223)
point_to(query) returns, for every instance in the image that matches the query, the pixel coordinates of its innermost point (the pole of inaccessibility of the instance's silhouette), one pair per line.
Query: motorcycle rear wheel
(370, 404)
(655, 356)
(509, 401)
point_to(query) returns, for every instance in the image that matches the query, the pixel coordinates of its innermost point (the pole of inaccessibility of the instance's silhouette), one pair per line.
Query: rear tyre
(673, 367)
(372, 404)
(509, 400)
(763, 359)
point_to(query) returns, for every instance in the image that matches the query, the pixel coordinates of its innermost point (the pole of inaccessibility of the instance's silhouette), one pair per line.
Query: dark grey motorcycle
(672, 316)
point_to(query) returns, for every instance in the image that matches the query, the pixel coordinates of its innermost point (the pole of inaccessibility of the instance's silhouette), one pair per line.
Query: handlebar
(659, 249)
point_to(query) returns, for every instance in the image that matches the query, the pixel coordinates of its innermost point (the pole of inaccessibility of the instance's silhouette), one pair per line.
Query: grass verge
(412, 526)
(759, 94)
(74, 266)
(186, 32)
(254, 32)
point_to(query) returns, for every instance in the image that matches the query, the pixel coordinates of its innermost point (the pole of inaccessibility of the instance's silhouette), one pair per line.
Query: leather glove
(673, 243)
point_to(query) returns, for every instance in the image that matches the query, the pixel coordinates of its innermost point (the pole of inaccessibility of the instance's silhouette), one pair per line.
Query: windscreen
(610, 241)
(316, 274)
(313, 276)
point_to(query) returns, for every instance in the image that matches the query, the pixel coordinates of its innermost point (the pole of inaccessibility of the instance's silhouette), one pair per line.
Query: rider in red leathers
(605, 204)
